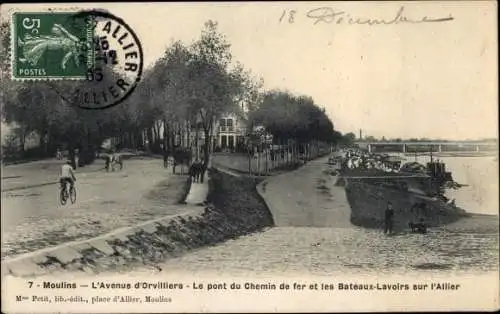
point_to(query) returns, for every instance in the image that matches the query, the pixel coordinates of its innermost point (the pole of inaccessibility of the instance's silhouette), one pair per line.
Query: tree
(349, 138)
(370, 139)
(290, 117)
(168, 83)
(213, 87)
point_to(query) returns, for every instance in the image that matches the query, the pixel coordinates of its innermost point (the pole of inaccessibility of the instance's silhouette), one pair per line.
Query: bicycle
(64, 194)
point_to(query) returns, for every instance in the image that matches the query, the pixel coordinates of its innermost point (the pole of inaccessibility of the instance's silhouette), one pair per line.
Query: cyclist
(67, 175)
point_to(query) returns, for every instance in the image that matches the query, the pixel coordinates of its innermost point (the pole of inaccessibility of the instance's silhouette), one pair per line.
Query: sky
(406, 80)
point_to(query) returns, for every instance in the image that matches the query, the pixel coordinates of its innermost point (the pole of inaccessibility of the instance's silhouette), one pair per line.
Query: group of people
(196, 171)
(357, 159)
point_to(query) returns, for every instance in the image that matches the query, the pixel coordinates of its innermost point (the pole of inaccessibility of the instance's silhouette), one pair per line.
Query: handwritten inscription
(328, 15)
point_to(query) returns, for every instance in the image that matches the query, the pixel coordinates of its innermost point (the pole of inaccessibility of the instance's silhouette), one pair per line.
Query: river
(480, 174)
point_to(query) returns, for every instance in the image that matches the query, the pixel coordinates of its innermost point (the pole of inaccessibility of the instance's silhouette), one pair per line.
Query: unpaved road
(33, 219)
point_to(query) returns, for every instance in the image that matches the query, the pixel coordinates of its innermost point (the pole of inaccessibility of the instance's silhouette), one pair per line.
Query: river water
(470, 245)
(480, 174)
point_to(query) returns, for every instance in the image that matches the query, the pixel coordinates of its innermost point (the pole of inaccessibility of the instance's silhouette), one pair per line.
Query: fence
(265, 160)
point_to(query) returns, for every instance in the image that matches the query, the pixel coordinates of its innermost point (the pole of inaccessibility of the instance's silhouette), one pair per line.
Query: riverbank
(368, 203)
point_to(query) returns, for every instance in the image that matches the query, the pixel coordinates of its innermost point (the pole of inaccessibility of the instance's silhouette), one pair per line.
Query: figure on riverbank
(389, 219)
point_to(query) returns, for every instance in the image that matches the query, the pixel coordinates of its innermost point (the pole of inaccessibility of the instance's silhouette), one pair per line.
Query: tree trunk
(43, 143)
(154, 132)
(165, 136)
(22, 140)
(151, 138)
(83, 158)
(258, 160)
(266, 154)
(170, 137)
(206, 153)
(46, 148)
(136, 139)
(188, 134)
(139, 139)
(156, 129)
(197, 142)
(131, 139)
(250, 157)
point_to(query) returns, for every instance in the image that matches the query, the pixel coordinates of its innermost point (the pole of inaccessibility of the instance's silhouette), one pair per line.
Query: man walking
(389, 218)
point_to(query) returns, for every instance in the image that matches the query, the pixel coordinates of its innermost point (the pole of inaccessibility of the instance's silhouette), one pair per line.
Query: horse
(112, 160)
(180, 157)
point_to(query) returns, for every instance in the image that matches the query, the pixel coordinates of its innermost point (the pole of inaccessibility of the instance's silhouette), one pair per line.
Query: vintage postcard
(249, 157)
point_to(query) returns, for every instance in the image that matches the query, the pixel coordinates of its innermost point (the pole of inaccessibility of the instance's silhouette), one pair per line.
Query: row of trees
(187, 90)
(293, 117)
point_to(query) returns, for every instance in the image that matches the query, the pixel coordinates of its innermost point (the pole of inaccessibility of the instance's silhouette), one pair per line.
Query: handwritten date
(328, 15)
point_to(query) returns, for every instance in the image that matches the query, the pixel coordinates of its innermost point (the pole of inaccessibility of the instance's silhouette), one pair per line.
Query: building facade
(231, 132)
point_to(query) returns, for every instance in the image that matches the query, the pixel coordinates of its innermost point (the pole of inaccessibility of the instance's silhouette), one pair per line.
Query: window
(229, 125)
(222, 125)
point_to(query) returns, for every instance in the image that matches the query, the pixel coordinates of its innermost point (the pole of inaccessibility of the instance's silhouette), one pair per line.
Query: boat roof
(395, 158)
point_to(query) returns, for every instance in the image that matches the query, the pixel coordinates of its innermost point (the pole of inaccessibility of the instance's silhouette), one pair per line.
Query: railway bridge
(430, 146)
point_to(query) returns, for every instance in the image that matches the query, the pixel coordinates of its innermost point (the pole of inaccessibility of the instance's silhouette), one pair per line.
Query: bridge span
(431, 146)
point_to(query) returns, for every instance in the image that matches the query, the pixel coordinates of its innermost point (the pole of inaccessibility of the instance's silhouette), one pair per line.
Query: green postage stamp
(51, 45)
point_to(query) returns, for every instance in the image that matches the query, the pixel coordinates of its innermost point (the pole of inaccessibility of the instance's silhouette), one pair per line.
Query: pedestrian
(389, 218)
(108, 162)
(58, 154)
